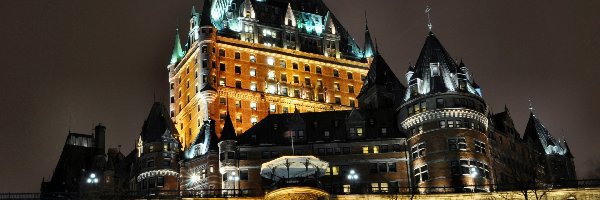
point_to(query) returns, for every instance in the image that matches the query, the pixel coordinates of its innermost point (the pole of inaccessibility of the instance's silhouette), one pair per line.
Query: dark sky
(102, 61)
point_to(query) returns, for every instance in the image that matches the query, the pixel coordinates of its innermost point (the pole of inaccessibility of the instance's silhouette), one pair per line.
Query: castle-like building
(261, 79)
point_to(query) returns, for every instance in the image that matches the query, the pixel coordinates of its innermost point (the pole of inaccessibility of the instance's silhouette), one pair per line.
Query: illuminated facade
(256, 58)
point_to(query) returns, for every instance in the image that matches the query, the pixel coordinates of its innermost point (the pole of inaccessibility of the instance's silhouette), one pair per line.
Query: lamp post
(92, 179)
(353, 177)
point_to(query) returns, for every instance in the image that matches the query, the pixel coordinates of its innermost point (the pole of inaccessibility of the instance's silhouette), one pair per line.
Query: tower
(445, 118)
(228, 165)
(158, 153)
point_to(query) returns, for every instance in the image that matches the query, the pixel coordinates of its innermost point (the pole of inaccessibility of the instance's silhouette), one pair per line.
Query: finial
(530, 105)
(366, 20)
(427, 11)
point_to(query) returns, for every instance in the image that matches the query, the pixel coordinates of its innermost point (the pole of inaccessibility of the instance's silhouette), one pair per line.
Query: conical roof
(205, 18)
(178, 53)
(434, 52)
(380, 73)
(157, 124)
(537, 133)
(228, 132)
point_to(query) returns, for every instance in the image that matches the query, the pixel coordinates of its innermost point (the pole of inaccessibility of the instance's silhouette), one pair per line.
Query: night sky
(103, 61)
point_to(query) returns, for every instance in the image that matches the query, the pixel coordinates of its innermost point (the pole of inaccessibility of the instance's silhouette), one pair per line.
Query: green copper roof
(177, 51)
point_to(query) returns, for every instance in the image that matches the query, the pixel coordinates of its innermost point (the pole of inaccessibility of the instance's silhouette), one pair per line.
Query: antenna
(530, 105)
(427, 11)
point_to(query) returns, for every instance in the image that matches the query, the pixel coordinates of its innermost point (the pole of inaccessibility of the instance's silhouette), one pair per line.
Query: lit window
(238, 103)
(359, 132)
(252, 58)
(253, 105)
(238, 118)
(252, 72)
(336, 86)
(271, 75)
(421, 174)
(326, 134)
(272, 88)
(443, 124)
(375, 149)
(479, 147)
(347, 189)
(253, 120)
(365, 149)
(270, 61)
(272, 108)
(222, 81)
(282, 63)
(435, 69)
(418, 150)
(253, 86)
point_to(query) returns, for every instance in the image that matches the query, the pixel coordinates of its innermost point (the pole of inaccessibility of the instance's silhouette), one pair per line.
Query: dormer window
(435, 69)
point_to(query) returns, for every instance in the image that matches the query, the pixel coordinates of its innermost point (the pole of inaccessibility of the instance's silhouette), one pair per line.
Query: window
(253, 86)
(440, 103)
(270, 61)
(318, 70)
(307, 81)
(365, 149)
(457, 144)
(253, 120)
(271, 75)
(336, 86)
(238, 84)
(421, 174)
(333, 171)
(244, 174)
(253, 72)
(326, 134)
(222, 67)
(222, 52)
(223, 101)
(284, 91)
(252, 58)
(479, 147)
(423, 106)
(470, 168)
(253, 105)
(347, 189)
(238, 118)
(272, 108)
(237, 55)
(435, 69)
(375, 149)
(283, 77)
(282, 63)
(151, 182)
(383, 149)
(350, 76)
(238, 69)
(238, 103)
(352, 103)
(443, 124)
(391, 167)
(450, 124)
(285, 109)
(384, 131)
(295, 66)
(296, 79)
(418, 150)
(351, 89)
(307, 68)
(336, 73)
(160, 181)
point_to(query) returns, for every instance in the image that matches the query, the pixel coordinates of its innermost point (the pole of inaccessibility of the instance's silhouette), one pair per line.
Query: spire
(205, 18)
(178, 53)
(228, 132)
(531, 106)
(368, 47)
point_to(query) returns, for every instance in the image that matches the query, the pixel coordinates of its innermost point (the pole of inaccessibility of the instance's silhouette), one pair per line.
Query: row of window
(470, 167)
(451, 124)
(382, 167)
(282, 63)
(454, 144)
(441, 103)
(381, 149)
(153, 182)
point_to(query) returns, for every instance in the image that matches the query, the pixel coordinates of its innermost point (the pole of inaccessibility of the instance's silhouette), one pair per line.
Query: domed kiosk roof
(292, 167)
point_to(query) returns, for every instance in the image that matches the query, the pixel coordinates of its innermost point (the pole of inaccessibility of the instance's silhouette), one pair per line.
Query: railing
(332, 189)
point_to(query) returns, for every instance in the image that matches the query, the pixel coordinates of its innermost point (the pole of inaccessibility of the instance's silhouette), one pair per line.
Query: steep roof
(177, 50)
(228, 132)
(380, 73)
(275, 128)
(308, 14)
(368, 48)
(157, 124)
(537, 133)
(205, 18)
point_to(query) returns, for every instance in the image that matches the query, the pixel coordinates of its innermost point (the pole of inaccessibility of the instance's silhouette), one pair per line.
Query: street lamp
(92, 179)
(353, 177)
